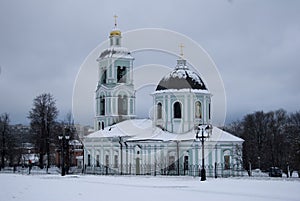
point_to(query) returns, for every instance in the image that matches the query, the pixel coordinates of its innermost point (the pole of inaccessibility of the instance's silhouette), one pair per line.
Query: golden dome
(115, 33)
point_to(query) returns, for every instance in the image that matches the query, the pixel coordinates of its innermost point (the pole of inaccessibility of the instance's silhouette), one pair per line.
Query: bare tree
(42, 120)
(4, 129)
(293, 129)
(271, 139)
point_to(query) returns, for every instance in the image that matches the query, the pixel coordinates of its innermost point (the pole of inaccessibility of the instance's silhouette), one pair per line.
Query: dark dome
(181, 79)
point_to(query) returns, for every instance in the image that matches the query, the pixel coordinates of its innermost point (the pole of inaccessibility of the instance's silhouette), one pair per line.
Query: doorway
(137, 166)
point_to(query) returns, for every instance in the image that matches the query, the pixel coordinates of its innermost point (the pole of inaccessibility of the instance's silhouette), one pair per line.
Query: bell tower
(115, 95)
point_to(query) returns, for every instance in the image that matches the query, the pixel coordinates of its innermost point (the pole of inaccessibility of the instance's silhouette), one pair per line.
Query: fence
(216, 170)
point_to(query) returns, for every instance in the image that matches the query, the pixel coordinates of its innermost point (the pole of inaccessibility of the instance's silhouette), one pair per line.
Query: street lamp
(64, 145)
(205, 129)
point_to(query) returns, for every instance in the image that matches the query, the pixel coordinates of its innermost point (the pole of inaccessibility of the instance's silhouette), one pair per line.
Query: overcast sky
(255, 45)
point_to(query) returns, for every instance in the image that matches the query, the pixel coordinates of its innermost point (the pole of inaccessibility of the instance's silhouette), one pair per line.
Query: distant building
(164, 144)
(74, 154)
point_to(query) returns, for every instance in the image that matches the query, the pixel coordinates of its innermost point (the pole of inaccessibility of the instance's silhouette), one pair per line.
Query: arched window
(102, 125)
(177, 110)
(102, 105)
(122, 105)
(159, 111)
(89, 160)
(226, 159)
(198, 110)
(103, 77)
(209, 111)
(121, 74)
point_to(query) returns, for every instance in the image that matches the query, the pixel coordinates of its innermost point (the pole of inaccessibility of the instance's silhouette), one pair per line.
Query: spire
(115, 16)
(115, 31)
(181, 50)
(181, 62)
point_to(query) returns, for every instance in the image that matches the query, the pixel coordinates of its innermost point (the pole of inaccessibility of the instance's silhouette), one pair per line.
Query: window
(226, 159)
(209, 110)
(102, 105)
(99, 125)
(171, 162)
(104, 75)
(122, 105)
(177, 110)
(111, 42)
(117, 41)
(102, 125)
(121, 74)
(97, 161)
(89, 160)
(116, 161)
(159, 111)
(198, 110)
(107, 160)
(186, 163)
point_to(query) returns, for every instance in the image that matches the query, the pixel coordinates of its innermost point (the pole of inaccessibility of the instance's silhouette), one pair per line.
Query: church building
(166, 144)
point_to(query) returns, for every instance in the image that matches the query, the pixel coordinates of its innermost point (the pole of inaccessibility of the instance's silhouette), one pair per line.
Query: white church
(166, 144)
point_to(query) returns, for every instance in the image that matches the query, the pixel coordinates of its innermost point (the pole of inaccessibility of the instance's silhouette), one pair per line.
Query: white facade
(165, 144)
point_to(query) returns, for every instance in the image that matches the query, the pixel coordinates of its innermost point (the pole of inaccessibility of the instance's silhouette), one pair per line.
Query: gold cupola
(115, 32)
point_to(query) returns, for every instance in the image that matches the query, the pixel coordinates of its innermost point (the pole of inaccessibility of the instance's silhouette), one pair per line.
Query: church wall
(160, 153)
(188, 120)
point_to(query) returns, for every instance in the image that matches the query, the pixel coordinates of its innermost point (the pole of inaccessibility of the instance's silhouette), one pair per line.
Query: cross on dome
(115, 16)
(181, 50)
(115, 31)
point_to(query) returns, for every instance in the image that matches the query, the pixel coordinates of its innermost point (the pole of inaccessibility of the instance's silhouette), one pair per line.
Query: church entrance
(137, 166)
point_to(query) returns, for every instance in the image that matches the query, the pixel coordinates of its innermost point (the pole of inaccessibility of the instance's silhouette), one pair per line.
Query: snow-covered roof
(124, 129)
(174, 91)
(142, 130)
(181, 78)
(116, 52)
(75, 143)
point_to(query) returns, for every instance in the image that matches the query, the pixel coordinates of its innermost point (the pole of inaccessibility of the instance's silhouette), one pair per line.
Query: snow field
(142, 188)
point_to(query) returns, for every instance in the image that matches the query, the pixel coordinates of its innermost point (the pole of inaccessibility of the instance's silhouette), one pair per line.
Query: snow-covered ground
(142, 188)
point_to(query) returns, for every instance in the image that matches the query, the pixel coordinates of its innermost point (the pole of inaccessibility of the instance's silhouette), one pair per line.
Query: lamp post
(207, 130)
(64, 142)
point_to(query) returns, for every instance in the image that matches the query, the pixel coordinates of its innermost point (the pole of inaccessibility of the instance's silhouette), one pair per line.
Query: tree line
(43, 133)
(271, 139)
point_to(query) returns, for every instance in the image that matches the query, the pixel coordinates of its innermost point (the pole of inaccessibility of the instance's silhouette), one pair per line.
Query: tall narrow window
(99, 125)
(102, 125)
(177, 110)
(103, 77)
(116, 161)
(97, 161)
(107, 160)
(89, 160)
(102, 105)
(122, 105)
(198, 110)
(121, 74)
(226, 159)
(171, 162)
(159, 111)
(209, 111)
(186, 163)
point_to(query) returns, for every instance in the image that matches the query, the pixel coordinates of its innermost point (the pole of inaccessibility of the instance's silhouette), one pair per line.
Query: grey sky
(255, 45)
